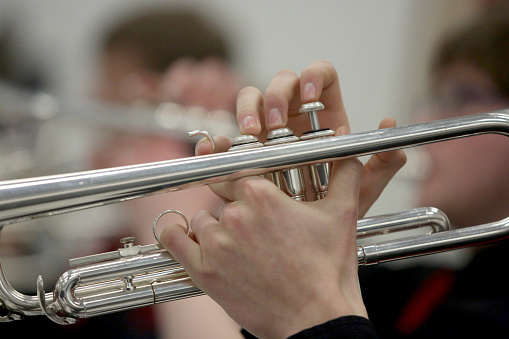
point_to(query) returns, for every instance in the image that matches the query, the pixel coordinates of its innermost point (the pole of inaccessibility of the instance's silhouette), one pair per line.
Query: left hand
(276, 265)
(283, 98)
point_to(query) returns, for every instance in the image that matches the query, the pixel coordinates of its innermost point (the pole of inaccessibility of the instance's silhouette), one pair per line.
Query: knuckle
(326, 64)
(218, 242)
(198, 218)
(257, 190)
(248, 90)
(232, 215)
(287, 73)
(248, 185)
(322, 65)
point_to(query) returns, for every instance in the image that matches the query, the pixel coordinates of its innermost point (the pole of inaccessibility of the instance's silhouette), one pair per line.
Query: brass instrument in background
(31, 124)
(22, 105)
(136, 276)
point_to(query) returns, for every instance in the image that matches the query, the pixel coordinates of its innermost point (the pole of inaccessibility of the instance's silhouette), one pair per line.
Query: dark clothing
(137, 323)
(134, 324)
(351, 327)
(425, 302)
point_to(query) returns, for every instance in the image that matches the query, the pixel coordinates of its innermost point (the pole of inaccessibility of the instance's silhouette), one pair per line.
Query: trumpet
(136, 276)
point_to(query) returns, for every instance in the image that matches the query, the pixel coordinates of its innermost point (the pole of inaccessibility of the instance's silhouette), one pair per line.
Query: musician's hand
(279, 107)
(277, 265)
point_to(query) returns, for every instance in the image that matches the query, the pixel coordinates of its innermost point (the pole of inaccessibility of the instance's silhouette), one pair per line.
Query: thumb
(205, 146)
(344, 184)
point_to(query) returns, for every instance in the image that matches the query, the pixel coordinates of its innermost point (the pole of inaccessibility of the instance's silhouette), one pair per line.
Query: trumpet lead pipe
(25, 199)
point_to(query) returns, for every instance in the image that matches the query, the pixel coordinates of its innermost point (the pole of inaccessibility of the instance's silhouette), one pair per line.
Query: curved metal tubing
(143, 275)
(430, 217)
(434, 243)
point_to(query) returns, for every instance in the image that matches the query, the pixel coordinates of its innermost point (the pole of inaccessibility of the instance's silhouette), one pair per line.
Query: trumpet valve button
(246, 141)
(280, 136)
(311, 108)
(279, 133)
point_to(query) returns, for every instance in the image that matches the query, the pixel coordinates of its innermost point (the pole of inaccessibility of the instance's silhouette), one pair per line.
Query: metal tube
(430, 217)
(434, 243)
(113, 297)
(28, 198)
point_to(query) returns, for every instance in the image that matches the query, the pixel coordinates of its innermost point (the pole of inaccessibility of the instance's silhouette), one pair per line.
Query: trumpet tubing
(136, 276)
(26, 199)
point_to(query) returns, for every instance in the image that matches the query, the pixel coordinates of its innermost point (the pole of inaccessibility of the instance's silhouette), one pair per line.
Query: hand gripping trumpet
(135, 276)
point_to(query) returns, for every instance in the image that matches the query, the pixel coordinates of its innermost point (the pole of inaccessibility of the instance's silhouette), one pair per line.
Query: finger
(249, 110)
(319, 81)
(202, 224)
(243, 188)
(344, 184)
(282, 93)
(204, 146)
(378, 171)
(186, 251)
(342, 203)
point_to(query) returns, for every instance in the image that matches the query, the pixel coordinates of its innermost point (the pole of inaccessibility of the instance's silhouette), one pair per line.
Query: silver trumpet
(135, 276)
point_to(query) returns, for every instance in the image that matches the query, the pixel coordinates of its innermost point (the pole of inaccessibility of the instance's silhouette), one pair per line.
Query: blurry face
(125, 80)
(468, 178)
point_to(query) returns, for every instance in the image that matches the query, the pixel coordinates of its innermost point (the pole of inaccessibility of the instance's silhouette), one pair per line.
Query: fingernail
(275, 117)
(200, 148)
(248, 122)
(308, 92)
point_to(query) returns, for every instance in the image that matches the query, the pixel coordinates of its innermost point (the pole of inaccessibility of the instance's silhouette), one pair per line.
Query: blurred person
(152, 57)
(468, 179)
(167, 55)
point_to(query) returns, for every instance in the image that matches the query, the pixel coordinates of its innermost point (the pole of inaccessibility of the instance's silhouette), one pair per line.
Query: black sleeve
(351, 327)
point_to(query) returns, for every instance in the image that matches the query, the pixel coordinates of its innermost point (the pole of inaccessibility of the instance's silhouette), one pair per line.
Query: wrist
(321, 309)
